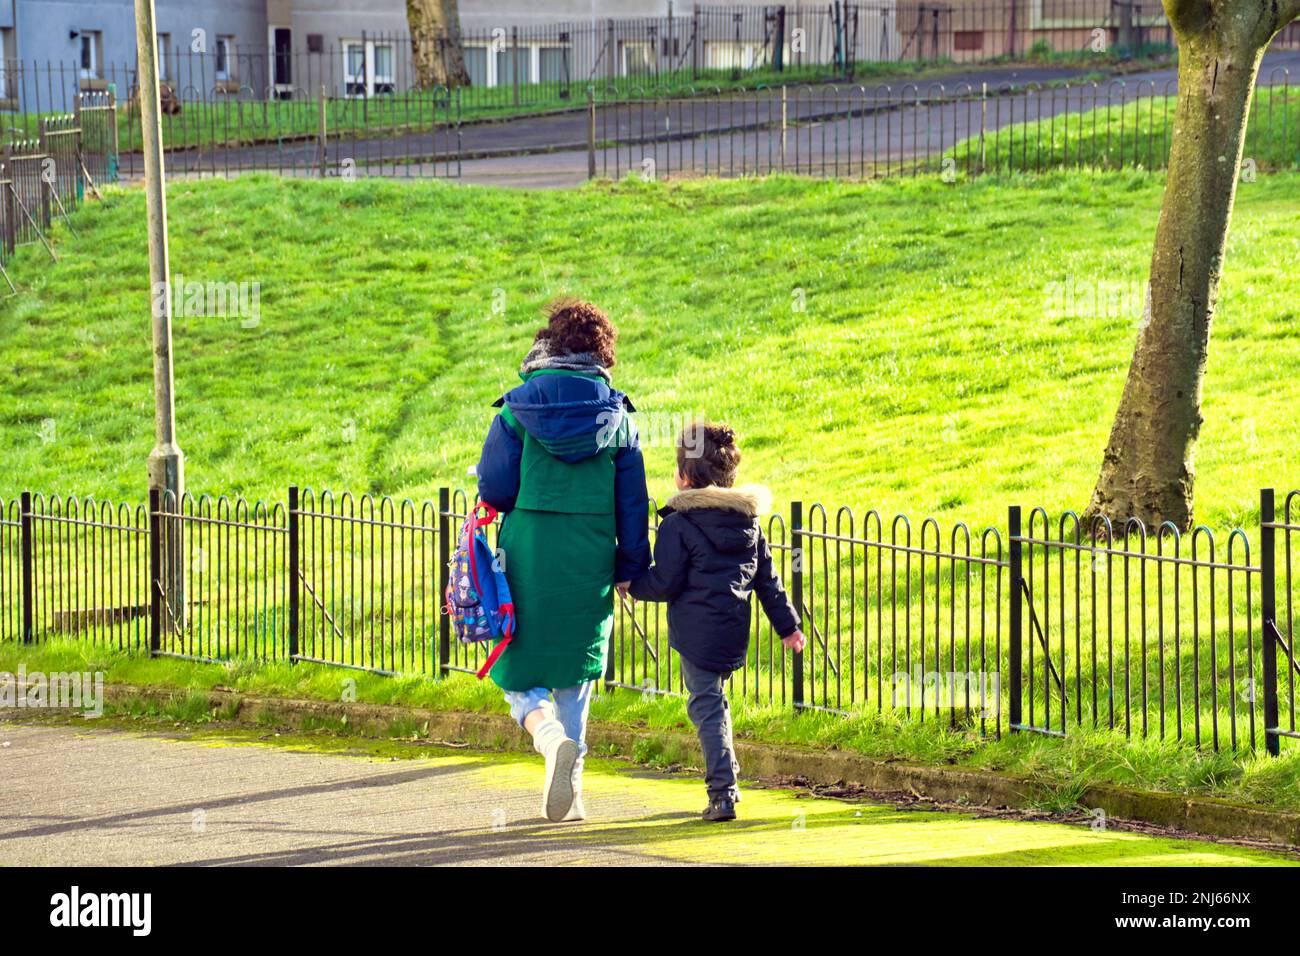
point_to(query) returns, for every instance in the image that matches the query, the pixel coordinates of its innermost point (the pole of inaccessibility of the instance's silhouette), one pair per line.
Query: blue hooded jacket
(573, 416)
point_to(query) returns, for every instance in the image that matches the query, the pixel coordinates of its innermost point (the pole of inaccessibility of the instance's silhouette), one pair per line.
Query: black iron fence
(722, 92)
(1048, 625)
(962, 130)
(528, 65)
(48, 176)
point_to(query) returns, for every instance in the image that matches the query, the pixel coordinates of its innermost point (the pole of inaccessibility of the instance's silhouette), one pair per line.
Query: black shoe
(719, 811)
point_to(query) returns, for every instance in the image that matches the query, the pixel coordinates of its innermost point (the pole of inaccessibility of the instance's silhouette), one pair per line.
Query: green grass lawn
(1126, 135)
(907, 345)
(900, 345)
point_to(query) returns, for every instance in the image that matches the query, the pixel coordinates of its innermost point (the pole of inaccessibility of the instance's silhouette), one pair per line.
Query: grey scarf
(540, 357)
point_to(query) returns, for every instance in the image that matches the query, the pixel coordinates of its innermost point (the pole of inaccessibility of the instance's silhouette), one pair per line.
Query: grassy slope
(926, 373)
(1119, 135)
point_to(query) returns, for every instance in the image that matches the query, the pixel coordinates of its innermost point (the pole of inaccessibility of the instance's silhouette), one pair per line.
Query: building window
(383, 78)
(164, 55)
(553, 64)
(476, 64)
(354, 68)
(368, 68)
(509, 60)
(729, 55)
(91, 44)
(225, 58)
(638, 57)
(7, 52)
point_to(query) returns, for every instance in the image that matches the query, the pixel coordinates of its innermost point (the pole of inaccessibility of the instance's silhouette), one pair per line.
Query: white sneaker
(577, 811)
(557, 795)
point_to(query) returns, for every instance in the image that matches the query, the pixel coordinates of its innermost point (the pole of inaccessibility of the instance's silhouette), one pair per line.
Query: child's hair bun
(708, 455)
(723, 436)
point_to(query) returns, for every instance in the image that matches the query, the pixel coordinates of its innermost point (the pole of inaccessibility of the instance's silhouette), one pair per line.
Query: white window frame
(351, 81)
(164, 41)
(226, 49)
(271, 58)
(625, 45)
(536, 57)
(530, 64)
(376, 78)
(91, 40)
(490, 64)
(369, 76)
(6, 42)
(748, 53)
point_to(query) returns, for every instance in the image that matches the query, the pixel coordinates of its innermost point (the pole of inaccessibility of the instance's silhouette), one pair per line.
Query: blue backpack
(478, 597)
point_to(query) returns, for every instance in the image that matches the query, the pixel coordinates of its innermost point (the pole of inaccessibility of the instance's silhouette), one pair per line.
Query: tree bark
(435, 43)
(1147, 470)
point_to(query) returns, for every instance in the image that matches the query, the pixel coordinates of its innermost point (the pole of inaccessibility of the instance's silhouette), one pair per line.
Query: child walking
(709, 555)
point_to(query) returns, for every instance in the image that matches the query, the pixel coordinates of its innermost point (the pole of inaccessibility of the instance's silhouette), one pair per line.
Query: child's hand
(622, 587)
(795, 642)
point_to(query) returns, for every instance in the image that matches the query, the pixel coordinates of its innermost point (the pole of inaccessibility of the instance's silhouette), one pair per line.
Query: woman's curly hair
(574, 327)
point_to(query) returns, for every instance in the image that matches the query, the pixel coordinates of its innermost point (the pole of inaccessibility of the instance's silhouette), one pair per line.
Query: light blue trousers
(571, 706)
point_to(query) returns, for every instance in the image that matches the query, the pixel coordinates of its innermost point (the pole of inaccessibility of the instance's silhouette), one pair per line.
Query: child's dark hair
(574, 327)
(707, 455)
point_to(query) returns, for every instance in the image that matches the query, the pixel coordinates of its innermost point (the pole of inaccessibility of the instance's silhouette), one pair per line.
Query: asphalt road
(87, 793)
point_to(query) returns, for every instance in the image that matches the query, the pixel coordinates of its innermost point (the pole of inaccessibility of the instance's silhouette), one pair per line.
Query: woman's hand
(795, 642)
(622, 587)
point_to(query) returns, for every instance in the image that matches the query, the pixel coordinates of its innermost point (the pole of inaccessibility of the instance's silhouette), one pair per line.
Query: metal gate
(97, 118)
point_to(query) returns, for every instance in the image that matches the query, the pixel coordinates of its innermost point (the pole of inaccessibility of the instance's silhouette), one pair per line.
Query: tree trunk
(1147, 470)
(435, 43)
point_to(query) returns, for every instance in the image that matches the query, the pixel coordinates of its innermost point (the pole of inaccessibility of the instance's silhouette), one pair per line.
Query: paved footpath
(91, 794)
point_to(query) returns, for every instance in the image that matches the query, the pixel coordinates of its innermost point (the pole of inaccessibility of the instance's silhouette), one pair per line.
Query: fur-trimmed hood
(710, 557)
(752, 501)
(728, 517)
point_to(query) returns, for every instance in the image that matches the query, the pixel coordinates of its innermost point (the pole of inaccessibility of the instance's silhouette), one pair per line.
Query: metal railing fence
(1049, 625)
(537, 64)
(958, 131)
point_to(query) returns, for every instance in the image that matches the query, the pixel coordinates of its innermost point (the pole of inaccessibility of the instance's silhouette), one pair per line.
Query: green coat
(560, 536)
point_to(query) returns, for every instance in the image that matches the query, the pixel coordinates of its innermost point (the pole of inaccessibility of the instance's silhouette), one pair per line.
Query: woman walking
(563, 467)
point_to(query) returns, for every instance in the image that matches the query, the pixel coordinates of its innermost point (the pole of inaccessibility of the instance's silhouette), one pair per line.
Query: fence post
(611, 53)
(695, 43)
(322, 133)
(785, 115)
(778, 43)
(444, 570)
(80, 162)
(1268, 612)
(47, 208)
(514, 61)
(591, 133)
(113, 131)
(1014, 623)
(10, 200)
(796, 593)
(984, 110)
(295, 585)
(25, 511)
(155, 571)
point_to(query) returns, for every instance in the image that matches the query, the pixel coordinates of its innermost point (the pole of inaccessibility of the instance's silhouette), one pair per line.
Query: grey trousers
(711, 714)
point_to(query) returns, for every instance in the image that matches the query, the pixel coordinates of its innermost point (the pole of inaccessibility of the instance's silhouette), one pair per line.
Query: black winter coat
(709, 555)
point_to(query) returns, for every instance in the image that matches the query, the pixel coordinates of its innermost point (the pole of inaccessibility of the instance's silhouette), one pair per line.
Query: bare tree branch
(1189, 16)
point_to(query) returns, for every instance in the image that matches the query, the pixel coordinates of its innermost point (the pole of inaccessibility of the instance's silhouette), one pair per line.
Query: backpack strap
(508, 628)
